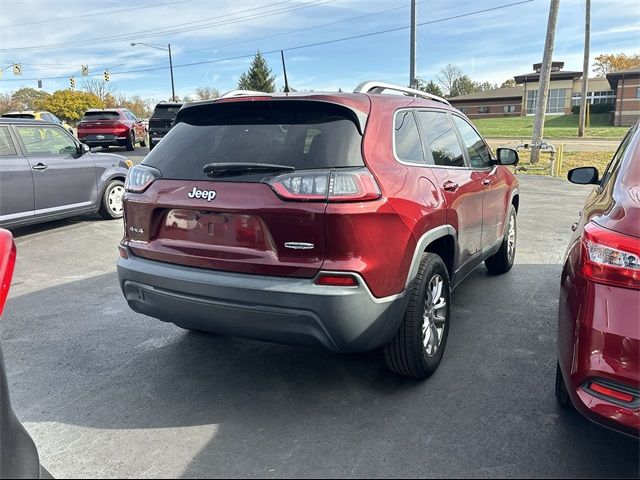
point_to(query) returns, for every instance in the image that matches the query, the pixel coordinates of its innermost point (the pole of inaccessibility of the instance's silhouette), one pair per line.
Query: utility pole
(545, 76)
(173, 87)
(412, 47)
(585, 69)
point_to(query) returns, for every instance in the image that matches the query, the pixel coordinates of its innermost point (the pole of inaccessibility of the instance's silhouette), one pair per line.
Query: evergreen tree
(430, 87)
(258, 78)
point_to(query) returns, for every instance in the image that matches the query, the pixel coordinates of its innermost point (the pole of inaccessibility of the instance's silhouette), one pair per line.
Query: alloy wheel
(434, 315)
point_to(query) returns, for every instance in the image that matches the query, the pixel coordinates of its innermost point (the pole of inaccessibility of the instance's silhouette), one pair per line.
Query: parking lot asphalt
(106, 392)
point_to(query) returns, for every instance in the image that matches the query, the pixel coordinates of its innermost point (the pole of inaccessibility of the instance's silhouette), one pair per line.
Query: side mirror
(508, 156)
(83, 148)
(584, 176)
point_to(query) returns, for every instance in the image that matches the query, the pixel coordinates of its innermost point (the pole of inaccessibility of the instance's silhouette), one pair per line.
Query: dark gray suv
(46, 174)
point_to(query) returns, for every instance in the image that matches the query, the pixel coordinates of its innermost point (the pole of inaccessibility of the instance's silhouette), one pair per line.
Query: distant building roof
(614, 77)
(507, 92)
(535, 76)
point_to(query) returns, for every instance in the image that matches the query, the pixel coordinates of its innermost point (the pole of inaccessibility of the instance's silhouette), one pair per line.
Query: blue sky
(491, 46)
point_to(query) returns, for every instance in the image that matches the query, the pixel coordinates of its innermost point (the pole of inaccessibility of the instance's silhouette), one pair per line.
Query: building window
(509, 108)
(555, 102)
(463, 109)
(637, 92)
(483, 109)
(594, 98)
(532, 99)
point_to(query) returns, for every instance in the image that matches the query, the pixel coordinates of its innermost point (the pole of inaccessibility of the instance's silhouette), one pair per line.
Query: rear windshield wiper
(221, 169)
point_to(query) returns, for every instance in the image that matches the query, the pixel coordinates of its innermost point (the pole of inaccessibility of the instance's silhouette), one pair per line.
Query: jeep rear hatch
(243, 185)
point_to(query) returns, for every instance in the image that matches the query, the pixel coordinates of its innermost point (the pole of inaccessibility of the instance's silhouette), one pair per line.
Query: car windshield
(90, 116)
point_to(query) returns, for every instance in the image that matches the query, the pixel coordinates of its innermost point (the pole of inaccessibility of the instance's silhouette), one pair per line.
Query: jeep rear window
(166, 111)
(299, 133)
(91, 116)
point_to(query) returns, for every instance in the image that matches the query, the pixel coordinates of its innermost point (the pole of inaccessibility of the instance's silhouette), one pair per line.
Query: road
(107, 393)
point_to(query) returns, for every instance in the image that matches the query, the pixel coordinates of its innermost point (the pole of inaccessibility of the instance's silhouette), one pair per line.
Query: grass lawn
(569, 160)
(555, 126)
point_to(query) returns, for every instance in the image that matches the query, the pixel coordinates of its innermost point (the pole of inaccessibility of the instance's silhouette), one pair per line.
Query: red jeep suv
(112, 127)
(335, 220)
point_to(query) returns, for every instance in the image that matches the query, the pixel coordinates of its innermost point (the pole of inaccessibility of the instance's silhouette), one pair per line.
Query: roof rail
(242, 93)
(379, 87)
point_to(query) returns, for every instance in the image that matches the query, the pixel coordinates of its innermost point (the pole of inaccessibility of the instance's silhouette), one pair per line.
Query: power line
(289, 32)
(179, 28)
(298, 47)
(104, 12)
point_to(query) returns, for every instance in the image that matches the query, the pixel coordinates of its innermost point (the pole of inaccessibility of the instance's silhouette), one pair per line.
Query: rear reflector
(123, 252)
(337, 281)
(610, 392)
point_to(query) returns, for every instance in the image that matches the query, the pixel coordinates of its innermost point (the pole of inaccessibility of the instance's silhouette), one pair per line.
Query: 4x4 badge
(208, 195)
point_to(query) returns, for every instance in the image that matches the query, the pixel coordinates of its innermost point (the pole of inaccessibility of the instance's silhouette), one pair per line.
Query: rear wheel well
(444, 247)
(516, 202)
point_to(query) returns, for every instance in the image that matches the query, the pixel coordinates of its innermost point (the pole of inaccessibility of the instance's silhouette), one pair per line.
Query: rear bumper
(276, 309)
(109, 140)
(599, 341)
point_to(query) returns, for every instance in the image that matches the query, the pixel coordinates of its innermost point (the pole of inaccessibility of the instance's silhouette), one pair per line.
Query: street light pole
(168, 49)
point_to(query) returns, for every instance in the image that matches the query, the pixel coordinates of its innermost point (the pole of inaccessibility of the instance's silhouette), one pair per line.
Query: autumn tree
(612, 62)
(258, 78)
(207, 93)
(29, 98)
(70, 105)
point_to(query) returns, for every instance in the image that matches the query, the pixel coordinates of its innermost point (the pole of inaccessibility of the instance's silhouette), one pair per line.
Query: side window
(407, 139)
(615, 161)
(55, 119)
(479, 155)
(7, 148)
(441, 138)
(46, 141)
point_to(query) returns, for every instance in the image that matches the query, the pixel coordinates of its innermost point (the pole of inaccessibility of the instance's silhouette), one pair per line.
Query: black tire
(151, 145)
(131, 141)
(502, 260)
(110, 207)
(562, 395)
(406, 354)
(143, 142)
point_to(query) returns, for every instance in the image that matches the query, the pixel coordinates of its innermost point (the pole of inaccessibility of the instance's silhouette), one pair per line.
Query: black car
(161, 121)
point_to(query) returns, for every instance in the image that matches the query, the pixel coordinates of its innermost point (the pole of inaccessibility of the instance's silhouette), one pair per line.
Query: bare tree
(7, 103)
(448, 76)
(207, 93)
(101, 89)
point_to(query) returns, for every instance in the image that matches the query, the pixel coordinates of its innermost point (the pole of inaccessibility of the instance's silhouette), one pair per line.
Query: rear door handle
(486, 182)
(450, 186)
(40, 167)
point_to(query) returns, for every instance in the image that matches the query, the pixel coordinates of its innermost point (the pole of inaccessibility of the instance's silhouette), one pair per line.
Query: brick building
(626, 84)
(565, 92)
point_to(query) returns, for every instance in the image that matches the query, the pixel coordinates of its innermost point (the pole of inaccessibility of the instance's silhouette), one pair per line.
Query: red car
(599, 315)
(112, 127)
(335, 220)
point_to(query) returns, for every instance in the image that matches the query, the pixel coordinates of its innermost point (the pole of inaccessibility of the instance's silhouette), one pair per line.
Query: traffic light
(72, 82)
(106, 76)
